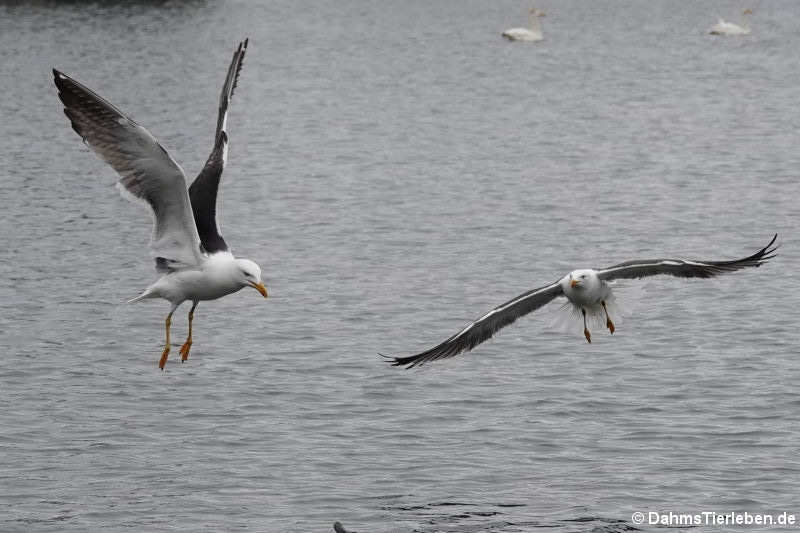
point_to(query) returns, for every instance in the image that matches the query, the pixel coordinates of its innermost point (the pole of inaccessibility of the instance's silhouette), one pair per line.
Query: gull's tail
(568, 318)
(146, 294)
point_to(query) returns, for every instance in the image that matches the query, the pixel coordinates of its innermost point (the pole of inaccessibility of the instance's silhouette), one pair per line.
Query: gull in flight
(190, 253)
(587, 291)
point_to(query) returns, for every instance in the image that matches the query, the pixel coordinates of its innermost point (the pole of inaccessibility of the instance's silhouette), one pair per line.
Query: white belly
(589, 296)
(216, 277)
(193, 285)
(203, 285)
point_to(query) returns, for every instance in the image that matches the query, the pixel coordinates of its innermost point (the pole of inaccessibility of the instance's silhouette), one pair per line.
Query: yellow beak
(260, 288)
(574, 282)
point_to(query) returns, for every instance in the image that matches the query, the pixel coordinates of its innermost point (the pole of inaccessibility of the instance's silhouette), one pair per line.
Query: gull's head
(250, 275)
(580, 279)
(537, 12)
(747, 11)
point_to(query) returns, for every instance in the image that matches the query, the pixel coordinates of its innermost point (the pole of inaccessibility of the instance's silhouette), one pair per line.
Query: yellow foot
(185, 350)
(163, 360)
(587, 335)
(610, 325)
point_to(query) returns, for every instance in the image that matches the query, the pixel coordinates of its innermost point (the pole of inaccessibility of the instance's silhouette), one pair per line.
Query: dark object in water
(339, 528)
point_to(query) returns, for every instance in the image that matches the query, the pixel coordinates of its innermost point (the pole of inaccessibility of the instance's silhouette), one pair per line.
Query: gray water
(397, 169)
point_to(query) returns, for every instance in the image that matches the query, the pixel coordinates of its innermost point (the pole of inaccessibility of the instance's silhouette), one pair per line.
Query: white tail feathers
(146, 294)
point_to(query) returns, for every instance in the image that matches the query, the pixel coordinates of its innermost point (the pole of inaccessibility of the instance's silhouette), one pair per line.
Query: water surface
(397, 170)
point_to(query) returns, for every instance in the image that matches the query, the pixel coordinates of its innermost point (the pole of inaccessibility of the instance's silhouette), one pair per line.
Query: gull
(534, 33)
(190, 253)
(729, 28)
(588, 292)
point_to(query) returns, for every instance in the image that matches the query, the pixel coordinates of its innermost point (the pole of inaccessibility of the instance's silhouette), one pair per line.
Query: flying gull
(186, 242)
(587, 291)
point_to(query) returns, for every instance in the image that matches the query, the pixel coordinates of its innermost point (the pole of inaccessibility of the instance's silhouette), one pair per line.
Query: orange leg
(188, 344)
(585, 329)
(165, 353)
(609, 324)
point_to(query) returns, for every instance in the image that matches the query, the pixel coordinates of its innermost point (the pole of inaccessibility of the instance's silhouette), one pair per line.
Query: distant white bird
(587, 290)
(729, 28)
(534, 33)
(186, 242)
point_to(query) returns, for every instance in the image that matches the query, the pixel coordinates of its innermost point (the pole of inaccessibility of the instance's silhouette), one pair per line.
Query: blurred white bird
(534, 33)
(729, 28)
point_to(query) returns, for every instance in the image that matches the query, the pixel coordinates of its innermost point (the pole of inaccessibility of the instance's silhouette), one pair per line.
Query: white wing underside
(170, 238)
(153, 178)
(147, 172)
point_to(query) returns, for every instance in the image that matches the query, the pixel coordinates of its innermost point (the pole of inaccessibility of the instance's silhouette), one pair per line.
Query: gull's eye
(583, 277)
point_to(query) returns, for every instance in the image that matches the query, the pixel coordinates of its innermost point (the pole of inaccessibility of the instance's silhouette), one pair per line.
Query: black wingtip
(408, 362)
(762, 256)
(768, 252)
(774, 238)
(772, 247)
(241, 52)
(394, 361)
(59, 78)
(400, 361)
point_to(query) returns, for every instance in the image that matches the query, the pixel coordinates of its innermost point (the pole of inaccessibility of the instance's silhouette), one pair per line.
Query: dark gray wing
(683, 268)
(147, 171)
(203, 191)
(485, 327)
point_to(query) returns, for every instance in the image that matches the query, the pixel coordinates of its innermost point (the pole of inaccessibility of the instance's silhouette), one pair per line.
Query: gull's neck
(533, 22)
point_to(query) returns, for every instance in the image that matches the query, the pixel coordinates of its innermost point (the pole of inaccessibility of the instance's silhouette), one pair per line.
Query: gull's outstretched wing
(203, 191)
(684, 268)
(147, 171)
(485, 327)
